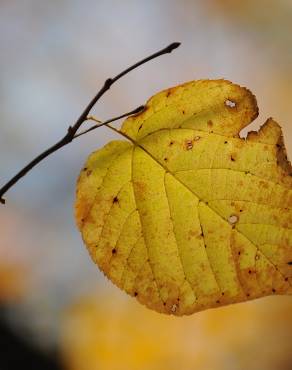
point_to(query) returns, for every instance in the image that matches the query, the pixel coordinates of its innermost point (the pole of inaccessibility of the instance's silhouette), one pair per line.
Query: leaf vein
(175, 237)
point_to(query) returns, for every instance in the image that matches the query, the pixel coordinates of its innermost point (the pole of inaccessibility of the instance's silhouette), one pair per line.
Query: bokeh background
(55, 305)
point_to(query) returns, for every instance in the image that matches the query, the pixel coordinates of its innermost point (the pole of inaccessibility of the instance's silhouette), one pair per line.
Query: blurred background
(57, 311)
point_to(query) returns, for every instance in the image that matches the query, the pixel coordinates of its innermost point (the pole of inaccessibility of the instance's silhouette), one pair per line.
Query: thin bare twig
(72, 130)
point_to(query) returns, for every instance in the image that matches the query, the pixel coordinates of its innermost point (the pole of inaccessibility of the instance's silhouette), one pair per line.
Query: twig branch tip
(173, 46)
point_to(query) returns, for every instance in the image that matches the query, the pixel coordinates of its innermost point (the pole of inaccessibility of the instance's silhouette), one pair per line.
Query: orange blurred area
(12, 286)
(110, 332)
(15, 263)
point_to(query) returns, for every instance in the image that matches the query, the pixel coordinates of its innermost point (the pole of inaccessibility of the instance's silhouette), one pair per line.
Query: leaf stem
(72, 130)
(105, 123)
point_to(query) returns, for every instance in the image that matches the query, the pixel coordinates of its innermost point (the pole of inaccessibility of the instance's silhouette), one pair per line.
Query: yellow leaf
(187, 215)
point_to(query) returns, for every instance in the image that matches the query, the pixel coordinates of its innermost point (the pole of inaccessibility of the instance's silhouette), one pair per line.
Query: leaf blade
(210, 213)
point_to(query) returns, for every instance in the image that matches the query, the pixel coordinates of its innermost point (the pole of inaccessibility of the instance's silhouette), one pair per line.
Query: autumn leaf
(186, 215)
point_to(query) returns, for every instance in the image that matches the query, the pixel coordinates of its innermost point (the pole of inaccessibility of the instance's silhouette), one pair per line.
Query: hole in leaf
(230, 103)
(188, 144)
(174, 307)
(233, 219)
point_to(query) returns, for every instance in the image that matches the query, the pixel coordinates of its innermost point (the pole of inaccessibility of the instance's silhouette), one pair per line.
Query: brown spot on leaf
(192, 233)
(140, 187)
(170, 91)
(264, 184)
(281, 155)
